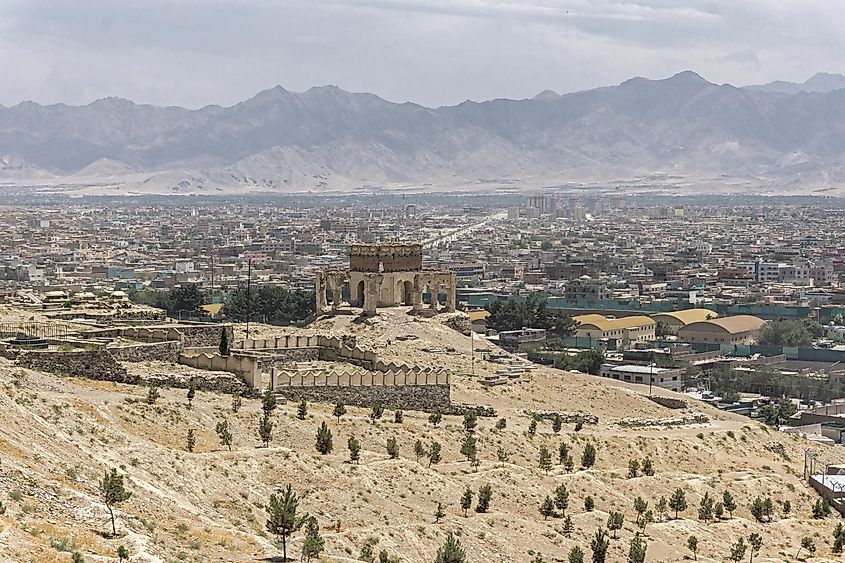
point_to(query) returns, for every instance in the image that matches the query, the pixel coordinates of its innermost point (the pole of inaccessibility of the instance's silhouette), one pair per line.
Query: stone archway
(360, 292)
(407, 293)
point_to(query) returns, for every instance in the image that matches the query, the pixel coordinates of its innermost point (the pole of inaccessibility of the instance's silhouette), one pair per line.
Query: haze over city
(438, 52)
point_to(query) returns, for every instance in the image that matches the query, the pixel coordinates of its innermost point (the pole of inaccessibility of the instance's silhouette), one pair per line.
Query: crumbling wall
(406, 397)
(285, 378)
(329, 349)
(93, 364)
(204, 335)
(155, 351)
(222, 382)
(669, 402)
(566, 417)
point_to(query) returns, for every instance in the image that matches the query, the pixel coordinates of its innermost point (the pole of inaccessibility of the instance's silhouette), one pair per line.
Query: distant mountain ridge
(821, 82)
(327, 138)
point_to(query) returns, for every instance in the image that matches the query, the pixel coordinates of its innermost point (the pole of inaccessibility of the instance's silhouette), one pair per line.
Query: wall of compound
(93, 364)
(406, 397)
(154, 351)
(245, 367)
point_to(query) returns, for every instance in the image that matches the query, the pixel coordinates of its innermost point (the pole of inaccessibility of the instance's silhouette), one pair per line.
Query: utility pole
(650, 377)
(472, 349)
(248, 295)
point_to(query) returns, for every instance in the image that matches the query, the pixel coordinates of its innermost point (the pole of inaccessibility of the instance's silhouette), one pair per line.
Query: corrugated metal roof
(688, 316)
(732, 325)
(603, 323)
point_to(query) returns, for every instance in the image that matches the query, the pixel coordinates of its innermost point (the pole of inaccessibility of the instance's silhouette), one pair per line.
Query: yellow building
(678, 319)
(638, 328)
(739, 329)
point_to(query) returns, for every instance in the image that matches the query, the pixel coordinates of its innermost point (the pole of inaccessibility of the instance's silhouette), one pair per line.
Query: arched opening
(407, 293)
(329, 295)
(360, 294)
(435, 295)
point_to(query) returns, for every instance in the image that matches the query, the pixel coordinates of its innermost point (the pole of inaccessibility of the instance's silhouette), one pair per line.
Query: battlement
(385, 257)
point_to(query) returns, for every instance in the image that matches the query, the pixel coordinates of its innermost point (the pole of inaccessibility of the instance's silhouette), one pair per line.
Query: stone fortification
(93, 364)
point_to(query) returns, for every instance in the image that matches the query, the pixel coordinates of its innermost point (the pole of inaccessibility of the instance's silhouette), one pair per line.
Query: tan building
(385, 275)
(678, 319)
(739, 329)
(638, 328)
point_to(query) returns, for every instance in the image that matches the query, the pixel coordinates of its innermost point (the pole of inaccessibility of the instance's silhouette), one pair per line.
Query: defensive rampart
(408, 397)
(93, 364)
(200, 335)
(245, 367)
(153, 351)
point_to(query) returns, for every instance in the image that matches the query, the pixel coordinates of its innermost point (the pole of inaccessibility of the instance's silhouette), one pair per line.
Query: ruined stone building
(385, 275)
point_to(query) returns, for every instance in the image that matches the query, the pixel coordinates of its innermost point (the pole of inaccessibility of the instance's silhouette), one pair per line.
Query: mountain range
(681, 130)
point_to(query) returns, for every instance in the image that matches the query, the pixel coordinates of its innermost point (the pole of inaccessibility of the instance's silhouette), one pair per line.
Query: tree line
(269, 304)
(533, 312)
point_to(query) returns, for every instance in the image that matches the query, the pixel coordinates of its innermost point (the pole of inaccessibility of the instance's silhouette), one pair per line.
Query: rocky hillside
(59, 435)
(327, 138)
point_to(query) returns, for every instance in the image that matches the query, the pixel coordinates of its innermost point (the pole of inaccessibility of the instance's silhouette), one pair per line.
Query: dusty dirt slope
(58, 435)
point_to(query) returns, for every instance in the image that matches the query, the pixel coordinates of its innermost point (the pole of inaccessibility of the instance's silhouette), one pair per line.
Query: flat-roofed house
(637, 328)
(667, 378)
(739, 329)
(678, 319)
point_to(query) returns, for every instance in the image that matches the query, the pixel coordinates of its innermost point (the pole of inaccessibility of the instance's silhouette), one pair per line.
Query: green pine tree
(600, 544)
(377, 411)
(224, 434)
(439, 513)
(339, 411)
(281, 517)
(547, 507)
(313, 543)
(113, 493)
(678, 501)
(223, 348)
(485, 494)
(545, 460)
(466, 500)
(392, 448)
(268, 402)
(637, 550)
(451, 552)
(354, 449)
(561, 498)
(576, 555)
(434, 454)
(324, 439)
(588, 458)
(265, 429)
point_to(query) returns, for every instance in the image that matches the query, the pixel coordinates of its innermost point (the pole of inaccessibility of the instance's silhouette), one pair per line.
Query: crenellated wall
(330, 349)
(245, 367)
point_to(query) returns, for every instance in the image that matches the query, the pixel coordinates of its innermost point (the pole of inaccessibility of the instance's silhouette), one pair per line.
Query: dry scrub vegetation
(59, 435)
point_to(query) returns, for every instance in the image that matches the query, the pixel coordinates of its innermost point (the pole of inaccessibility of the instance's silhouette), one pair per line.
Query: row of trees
(766, 381)
(271, 304)
(788, 332)
(533, 312)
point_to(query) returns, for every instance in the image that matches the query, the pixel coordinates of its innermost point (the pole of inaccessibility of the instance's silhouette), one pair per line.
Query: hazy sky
(434, 52)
